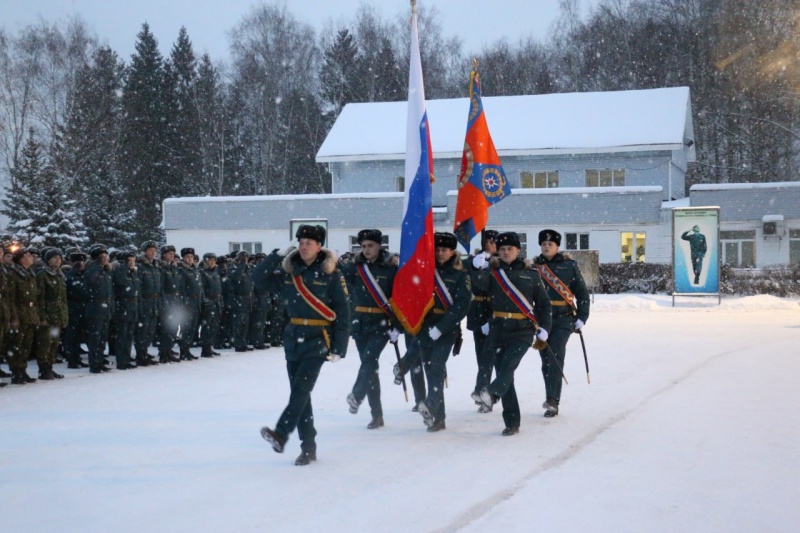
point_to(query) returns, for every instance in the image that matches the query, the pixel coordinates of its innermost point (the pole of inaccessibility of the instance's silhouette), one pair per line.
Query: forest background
(91, 143)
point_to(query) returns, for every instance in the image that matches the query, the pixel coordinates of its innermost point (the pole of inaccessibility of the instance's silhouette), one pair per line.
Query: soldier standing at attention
(240, 292)
(149, 303)
(22, 301)
(370, 277)
(126, 306)
(52, 293)
(316, 301)
(171, 305)
(191, 288)
(211, 313)
(76, 306)
(99, 303)
(261, 305)
(520, 314)
(452, 295)
(5, 311)
(570, 300)
(480, 310)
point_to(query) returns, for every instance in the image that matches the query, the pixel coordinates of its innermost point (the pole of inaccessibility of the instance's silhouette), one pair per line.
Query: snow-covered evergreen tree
(339, 74)
(37, 205)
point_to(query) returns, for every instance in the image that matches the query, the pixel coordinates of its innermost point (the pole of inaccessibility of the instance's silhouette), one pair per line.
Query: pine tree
(339, 73)
(389, 87)
(145, 140)
(36, 204)
(212, 122)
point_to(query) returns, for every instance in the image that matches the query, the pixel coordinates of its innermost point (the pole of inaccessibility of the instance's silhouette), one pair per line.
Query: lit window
(538, 180)
(605, 178)
(632, 246)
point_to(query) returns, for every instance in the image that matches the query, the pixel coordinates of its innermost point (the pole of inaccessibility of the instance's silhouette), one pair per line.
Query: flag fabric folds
(482, 181)
(413, 293)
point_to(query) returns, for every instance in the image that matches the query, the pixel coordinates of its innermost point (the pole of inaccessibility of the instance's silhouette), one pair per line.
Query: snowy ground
(690, 424)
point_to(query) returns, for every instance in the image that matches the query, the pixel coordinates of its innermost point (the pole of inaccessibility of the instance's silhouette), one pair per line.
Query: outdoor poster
(695, 241)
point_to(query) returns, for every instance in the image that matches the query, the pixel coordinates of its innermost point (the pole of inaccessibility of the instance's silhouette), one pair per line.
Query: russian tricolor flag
(413, 289)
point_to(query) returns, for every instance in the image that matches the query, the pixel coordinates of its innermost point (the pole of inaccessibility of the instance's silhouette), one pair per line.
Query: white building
(604, 169)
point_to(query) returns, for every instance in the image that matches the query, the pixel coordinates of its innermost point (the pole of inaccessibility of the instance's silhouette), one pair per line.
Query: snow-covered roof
(735, 186)
(599, 122)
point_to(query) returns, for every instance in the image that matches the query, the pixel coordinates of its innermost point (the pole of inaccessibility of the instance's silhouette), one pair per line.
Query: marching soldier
(370, 277)
(480, 310)
(453, 293)
(241, 300)
(520, 314)
(315, 299)
(171, 305)
(570, 300)
(53, 311)
(76, 309)
(24, 319)
(99, 303)
(211, 314)
(149, 303)
(191, 288)
(126, 307)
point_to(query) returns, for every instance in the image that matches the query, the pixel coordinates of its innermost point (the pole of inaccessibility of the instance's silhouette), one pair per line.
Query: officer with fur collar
(316, 301)
(570, 311)
(371, 327)
(516, 290)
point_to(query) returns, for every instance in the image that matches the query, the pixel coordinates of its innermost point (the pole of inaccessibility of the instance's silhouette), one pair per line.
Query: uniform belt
(558, 303)
(309, 322)
(437, 311)
(509, 316)
(481, 298)
(364, 309)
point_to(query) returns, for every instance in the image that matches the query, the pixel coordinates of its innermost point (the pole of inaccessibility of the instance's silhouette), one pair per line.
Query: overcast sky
(116, 22)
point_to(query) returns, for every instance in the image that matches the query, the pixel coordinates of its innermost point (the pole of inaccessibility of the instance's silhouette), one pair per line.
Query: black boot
(16, 378)
(186, 355)
(305, 458)
(26, 377)
(277, 440)
(206, 352)
(375, 423)
(46, 373)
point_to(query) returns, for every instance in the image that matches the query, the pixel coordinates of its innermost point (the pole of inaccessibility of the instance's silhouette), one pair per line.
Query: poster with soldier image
(695, 238)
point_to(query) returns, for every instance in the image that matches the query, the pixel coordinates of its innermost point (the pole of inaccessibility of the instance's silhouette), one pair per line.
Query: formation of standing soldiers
(52, 304)
(513, 304)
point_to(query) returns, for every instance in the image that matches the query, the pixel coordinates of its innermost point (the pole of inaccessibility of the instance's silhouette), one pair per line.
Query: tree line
(91, 144)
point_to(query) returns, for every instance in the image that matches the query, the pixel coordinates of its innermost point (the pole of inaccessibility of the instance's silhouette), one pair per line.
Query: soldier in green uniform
(570, 300)
(53, 313)
(316, 301)
(76, 306)
(240, 293)
(261, 305)
(211, 313)
(517, 294)
(698, 249)
(149, 303)
(480, 310)
(171, 304)
(22, 299)
(452, 296)
(126, 306)
(99, 304)
(369, 276)
(191, 288)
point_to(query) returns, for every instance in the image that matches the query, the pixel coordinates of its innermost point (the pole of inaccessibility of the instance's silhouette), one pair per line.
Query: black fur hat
(508, 238)
(51, 253)
(96, 250)
(148, 244)
(445, 239)
(488, 235)
(185, 251)
(167, 248)
(550, 235)
(209, 255)
(373, 235)
(307, 231)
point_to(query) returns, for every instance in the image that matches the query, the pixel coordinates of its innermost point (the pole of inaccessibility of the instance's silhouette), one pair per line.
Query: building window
(249, 247)
(605, 178)
(738, 248)
(356, 248)
(794, 247)
(577, 241)
(400, 184)
(538, 180)
(633, 247)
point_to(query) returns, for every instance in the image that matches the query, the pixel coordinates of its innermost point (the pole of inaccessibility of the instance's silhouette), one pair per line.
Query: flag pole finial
(475, 63)
(413, 7)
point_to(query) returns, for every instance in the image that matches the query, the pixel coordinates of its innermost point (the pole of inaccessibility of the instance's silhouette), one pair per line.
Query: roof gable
(522, 125)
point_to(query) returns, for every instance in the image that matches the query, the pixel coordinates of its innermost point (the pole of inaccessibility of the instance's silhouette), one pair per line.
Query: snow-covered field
(690, 424)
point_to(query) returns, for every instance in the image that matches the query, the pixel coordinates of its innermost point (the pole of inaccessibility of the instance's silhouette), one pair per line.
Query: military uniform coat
(24, 315)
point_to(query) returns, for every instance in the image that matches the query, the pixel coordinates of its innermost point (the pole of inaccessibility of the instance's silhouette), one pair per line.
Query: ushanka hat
(550, 235)
(445, 239)
(507, 238)
(307, 231)
(373, 235)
